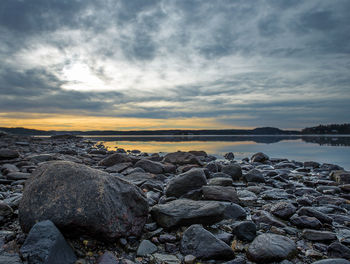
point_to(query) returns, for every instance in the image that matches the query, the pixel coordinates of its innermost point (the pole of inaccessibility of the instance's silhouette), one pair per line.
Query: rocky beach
(66, 199)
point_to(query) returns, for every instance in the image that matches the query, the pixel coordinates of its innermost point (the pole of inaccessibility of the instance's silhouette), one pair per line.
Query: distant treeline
(321, 129)
(328, 129)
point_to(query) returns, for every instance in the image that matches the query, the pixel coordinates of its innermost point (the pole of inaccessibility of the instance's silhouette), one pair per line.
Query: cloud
(281, 63)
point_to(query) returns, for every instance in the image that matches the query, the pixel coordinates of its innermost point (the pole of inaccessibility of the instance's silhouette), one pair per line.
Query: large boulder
(46, 245)
(181, 158)
(186, 212)
(186, 182)
(150, 166)
(254, 175)
(82, 200)
(204, 245)
(234, 170)
(6, 154)
(114, 159)
(268, 248)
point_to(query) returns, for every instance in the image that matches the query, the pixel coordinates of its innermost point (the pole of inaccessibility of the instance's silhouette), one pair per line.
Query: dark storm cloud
(279, 62)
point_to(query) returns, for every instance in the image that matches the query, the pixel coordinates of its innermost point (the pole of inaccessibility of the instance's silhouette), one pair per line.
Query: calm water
(329, 149)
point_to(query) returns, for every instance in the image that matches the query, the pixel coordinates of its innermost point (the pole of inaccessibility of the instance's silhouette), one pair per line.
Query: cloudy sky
(160, 64)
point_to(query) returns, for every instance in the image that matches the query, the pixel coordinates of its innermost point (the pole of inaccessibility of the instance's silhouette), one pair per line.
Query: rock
(268, 248)
(42, 158)
(107, 258)
(212, 167)
(164, 259)
(190, 259)
(259, 157)
(254, 175)
(332, 261)
(18, 176)
(198, 153)
(5, 210)
(220, 181)
(181, 158)
(234, 170)
(6, 154)
(9, 258)
(309, 211)
(340, 176)
(275, 194)
(234, 211)
(305, 221)
(186, 212)
(283, 210)
(114, 159)
(45, 244)
(267, 218)
(220, 193)
(119, 167)
(150, 166)
(7, 168)
(81, 200)
(245, 231)
(145, 248)
(229, 156)
(186, 182)
(320, 236)
(311, 164)
(204, 245)
(338, 250)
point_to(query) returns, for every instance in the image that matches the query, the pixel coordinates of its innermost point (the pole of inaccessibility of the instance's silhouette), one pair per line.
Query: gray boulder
(6, 154)
(254, 175)
(234, 170)
(220, 193)
(181, 158)
(186, 182)
(82, 200)
(45, 244)
(201, 243)
(150, 166)
(114, 159)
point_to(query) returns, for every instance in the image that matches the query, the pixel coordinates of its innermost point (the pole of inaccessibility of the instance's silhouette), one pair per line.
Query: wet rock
(234, 170)
(157, 258)
(181, 158)
(332, 261)
(275, 194)
(338, 250)
(305, 221)
(82, 200)
(320, 236)
(254, 175)
(150, 166)
(268, 248)
(186, 212)
(41, 158)
(234, 211)
(283, 210)
(8, 168)
(309, 211)
(15, 176)
(311, 164)
(119, 167)
(245, 231)
(229, 156)
(107, 258)
(186, 182)
(7, 154)
(259, 157)
(145, 248)
(45, 244)
(220, 193)
(220, 181)
(267, 218)
(198, 153)
(204, 245)
(114, 159)
(190, 259)
(340, 176)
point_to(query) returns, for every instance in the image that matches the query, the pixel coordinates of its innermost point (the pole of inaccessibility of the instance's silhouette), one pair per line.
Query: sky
(164, 64)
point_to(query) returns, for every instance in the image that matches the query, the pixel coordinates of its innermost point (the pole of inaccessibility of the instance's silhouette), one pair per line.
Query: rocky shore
(64, 199)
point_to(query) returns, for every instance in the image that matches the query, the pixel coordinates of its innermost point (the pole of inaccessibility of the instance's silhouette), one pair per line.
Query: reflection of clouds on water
(320, 149)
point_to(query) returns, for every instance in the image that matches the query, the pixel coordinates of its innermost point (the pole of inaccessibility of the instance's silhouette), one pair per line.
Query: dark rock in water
(234, 170)
(186, 212)
(204, 245)
(186, 182)
(268, 248)
(309, 211)
(229, 156)
(245, 230)
(332, 261)
(340, 176)
(305, 221)
(145, 248)
(181, 158)
(321, 236)
(150, 166)
(338, 250)
(45, 244)
(114, 159)
(6, 154)
(108, 258)
(81, 200)
(220, 193)
(259, 157)
(283, 210)
(254, 175)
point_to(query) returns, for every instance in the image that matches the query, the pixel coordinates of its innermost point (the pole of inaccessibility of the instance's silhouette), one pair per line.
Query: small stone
(145, 248)
(189, 259)
(316, 235)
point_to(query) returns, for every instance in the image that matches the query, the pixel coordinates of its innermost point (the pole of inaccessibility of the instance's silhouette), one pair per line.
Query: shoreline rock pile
(67, 200)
